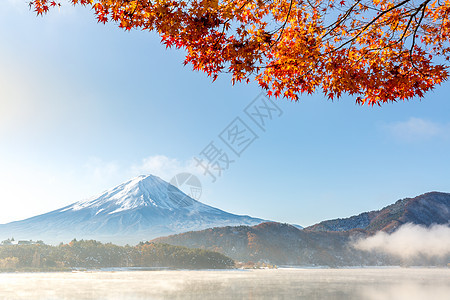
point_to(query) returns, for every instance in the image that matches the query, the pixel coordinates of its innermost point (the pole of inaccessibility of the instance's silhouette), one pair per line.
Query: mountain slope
(140, 209)
(280, 244)
(426, 209)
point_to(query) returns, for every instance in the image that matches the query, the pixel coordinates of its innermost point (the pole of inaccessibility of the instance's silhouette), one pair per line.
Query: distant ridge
(429, 208)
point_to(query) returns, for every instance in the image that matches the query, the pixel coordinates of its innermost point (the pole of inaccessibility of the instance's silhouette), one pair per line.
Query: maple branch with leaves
(377, 50)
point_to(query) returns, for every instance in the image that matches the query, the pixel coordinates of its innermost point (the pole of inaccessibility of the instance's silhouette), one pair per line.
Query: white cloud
(417, 129)
(162, 166)
(106, 175)
(101, 171)
(410, 240)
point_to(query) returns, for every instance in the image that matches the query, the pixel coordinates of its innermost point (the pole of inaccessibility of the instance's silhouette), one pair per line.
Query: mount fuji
(140, 209)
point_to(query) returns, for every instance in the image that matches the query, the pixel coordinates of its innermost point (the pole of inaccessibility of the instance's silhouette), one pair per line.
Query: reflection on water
(391, 283)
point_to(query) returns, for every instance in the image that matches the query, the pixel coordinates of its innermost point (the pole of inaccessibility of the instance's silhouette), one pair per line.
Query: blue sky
(85, 106)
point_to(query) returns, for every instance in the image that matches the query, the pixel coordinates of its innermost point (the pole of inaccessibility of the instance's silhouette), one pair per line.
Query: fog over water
(380, 283)
(410, 240)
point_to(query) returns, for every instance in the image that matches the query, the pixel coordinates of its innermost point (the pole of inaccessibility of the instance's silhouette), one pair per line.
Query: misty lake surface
(366, 283)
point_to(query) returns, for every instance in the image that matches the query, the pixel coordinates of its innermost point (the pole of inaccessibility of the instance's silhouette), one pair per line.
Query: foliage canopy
(377, 50)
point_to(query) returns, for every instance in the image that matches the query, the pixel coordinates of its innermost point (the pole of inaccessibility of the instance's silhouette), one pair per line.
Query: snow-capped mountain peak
(143, 190)
(139, 209)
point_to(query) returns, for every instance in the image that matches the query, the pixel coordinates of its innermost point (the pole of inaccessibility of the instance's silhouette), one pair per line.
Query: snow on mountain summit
(143, 190)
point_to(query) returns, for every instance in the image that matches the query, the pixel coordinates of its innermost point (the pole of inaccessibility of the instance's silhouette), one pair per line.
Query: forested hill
(93, 255)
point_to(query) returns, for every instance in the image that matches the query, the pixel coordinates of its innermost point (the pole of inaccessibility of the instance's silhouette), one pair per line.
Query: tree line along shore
(91, 254)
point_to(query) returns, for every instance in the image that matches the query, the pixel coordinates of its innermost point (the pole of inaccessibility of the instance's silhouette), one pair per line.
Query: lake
(366, 283)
